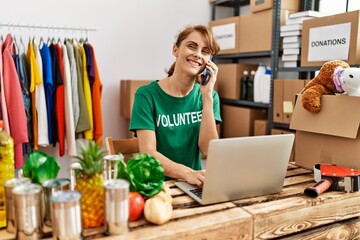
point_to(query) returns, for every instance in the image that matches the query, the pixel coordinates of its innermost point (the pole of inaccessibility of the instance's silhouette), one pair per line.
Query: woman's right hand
(195, 177)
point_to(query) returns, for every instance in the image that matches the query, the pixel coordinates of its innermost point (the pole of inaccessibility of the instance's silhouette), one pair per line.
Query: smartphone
(206, 75)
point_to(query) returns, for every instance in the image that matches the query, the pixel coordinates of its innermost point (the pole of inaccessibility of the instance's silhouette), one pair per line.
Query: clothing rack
(48, 27)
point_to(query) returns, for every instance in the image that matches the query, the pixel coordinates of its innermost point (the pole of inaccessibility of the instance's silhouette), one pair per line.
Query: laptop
(242, 167)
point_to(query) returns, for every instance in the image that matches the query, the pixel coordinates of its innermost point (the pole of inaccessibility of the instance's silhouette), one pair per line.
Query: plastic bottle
(250, 86)
(7, 170)
(266, 79)
(258, 83)
(243, 85)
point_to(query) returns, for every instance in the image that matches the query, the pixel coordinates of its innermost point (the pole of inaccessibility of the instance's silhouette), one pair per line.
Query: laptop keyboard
(197, 192)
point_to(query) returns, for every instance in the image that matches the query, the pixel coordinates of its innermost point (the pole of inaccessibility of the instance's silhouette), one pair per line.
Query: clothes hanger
(85, 37)
(48, 42)
(15, 44)
(41, 42)
(22, 45)
(33, 41)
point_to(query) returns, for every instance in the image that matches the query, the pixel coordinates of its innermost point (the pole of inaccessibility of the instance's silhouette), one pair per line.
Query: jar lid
(65, 196)
(10, 183)
(56, 183)
(116, 184)
(27, 189)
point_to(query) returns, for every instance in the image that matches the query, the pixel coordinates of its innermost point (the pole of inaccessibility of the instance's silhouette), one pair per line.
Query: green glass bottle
(7, 170)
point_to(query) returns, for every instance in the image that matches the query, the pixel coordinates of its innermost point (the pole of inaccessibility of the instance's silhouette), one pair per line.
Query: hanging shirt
(96, 98)
(59, 107)
(22, 75)
(34, 77)
(49, 87)
(69, 116)
(14, 102)
(26, 82)
(74, 82)
(84, 122)
(89, 135)
(89, 63)
(4, 113)
(43, 133)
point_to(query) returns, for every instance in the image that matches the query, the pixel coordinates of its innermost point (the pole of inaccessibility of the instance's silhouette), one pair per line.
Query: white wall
(133, 40)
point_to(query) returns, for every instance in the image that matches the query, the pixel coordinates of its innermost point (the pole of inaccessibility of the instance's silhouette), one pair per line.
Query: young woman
(175, 118)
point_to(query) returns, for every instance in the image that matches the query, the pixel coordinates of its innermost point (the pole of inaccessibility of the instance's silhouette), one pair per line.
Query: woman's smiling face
(192, 54)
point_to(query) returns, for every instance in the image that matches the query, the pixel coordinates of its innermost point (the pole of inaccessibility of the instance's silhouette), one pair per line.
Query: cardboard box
(228, 79)
(261, 5)
(127, 92)
(261, 127)
(239, 121)
(226, 32)
(330, 136)
(331, 37)
(255, 33)
(291, 88)
(275, 131)
(285, 91)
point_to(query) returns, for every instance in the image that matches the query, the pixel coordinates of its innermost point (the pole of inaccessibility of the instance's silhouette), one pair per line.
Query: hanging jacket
(89, 135)
(84, 122)
(4, 113)
(74, 82)
(49, 87)
(59, 107)
(34, 78)
(96, 97)
(69, 116)
(89, 63)
(23, 79)
(14, 101)
(41, 109)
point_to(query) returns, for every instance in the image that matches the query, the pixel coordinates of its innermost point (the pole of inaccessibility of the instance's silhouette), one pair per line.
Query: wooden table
(287, 215)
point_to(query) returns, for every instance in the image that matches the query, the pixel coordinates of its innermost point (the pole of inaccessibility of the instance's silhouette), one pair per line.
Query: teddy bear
(347, 80)
(321, 84)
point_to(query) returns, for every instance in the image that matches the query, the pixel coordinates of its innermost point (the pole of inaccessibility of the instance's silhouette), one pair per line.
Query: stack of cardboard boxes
(250, 32)
(246, 33)
(285, 91)
(332, 135)
(237, 121)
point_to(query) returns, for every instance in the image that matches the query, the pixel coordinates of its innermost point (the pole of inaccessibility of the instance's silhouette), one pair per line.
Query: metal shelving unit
(236, 4)
(273, 54)
(243, 103)
(245, 55)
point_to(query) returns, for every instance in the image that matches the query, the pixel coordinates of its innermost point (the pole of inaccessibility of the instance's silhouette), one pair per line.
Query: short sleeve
(216, 107)
(142, 116)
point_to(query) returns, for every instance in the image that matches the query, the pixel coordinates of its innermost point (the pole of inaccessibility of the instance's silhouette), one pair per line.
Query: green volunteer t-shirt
(175, 120)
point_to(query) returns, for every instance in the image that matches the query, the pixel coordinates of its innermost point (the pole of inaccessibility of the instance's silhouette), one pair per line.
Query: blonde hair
(205, 31)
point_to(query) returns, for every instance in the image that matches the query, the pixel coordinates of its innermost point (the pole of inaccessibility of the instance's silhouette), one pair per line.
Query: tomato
(136, 205)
